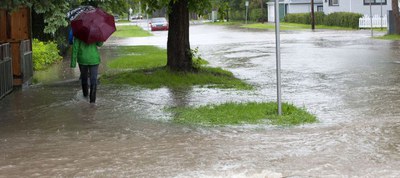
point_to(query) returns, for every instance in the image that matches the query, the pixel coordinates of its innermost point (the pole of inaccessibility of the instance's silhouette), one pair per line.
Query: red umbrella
(93, 26)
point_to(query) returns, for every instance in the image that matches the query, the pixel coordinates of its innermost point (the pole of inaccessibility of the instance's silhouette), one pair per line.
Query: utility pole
(370, 16)
(312, 16)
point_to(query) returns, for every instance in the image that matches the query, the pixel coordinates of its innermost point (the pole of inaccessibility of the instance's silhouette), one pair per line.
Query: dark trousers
(85, 71)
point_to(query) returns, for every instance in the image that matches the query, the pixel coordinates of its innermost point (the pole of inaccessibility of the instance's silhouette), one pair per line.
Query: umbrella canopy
(93, 26)
(72, 14)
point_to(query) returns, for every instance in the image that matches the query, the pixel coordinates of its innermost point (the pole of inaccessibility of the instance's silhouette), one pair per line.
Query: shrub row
(44, 54)
(253, 14)
(340, 19)
(305, 18)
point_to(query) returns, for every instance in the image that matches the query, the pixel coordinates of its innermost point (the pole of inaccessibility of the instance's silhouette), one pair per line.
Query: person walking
(88, 58)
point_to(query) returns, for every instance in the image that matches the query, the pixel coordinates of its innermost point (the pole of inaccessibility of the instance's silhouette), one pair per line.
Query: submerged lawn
(144, 66)
(243, 113)
(124, 31)
(162, 77)
(389, 37)
(291, 26)
(139, 57)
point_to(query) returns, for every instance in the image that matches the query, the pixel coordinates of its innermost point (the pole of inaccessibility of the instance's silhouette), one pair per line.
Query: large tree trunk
(395, 8)
(178, 46)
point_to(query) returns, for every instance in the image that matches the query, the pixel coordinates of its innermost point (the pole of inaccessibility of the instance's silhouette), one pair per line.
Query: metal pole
(370, 13)
(381, 16)
(278, 57)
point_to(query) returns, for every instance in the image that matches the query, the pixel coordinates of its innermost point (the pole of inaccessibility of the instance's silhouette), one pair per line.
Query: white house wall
(357, 6)
(292, 8)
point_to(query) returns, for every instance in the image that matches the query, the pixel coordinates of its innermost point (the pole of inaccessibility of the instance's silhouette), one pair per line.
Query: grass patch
(139, 57)
(243, 113)
(230, 23)
(162, 77)
(146, 65)
(123, 21)
(389, 37)
(291, 26)
(125, 31)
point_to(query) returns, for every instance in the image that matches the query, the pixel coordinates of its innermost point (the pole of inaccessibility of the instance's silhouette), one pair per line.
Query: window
(375, 2)
(336, 2)
(320, 8)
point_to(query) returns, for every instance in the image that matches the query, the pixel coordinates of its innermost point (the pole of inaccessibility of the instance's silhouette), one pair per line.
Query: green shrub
(237, 15)
(305, 18)
(257, 14)
(340, 19)
(343, 19)
(44, 54)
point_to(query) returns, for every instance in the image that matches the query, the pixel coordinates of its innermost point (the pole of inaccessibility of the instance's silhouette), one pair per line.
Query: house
(378, 7)
(293, 6)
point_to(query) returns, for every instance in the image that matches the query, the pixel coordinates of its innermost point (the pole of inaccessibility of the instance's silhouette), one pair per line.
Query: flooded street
(350, 81)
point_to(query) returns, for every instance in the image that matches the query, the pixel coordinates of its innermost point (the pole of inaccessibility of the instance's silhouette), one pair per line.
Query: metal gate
(26, 60)
(6, 76)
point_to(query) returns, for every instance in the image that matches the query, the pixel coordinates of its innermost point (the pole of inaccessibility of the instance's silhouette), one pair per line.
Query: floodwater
(350, 81)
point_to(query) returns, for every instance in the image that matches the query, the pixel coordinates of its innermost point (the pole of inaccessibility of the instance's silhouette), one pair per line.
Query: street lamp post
(247, 7)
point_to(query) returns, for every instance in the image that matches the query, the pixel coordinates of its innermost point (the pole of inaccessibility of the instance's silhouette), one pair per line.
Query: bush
(256, 14)
(237, 15)
(305, 18)
(343, 19)
(340, 19)
(44, 54)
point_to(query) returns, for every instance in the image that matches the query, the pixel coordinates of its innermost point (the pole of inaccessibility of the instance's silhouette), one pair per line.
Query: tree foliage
(54, 11)
(197, 6)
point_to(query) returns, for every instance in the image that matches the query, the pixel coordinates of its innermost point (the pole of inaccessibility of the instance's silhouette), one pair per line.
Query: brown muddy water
(350, 81)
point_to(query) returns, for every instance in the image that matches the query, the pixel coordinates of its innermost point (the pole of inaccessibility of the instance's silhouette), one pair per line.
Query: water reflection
(180, 97)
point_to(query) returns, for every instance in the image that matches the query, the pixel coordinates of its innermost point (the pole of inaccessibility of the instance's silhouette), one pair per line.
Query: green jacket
(85, 54)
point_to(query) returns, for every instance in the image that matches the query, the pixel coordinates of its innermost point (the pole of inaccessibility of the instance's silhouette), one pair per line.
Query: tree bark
(395, 8)
(178, 46)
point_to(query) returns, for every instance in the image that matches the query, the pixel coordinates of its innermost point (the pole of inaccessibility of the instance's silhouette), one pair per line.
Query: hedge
(341, 19)
(305, 18)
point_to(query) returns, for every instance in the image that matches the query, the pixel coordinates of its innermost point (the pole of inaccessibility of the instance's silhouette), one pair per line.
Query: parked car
(159, 23)
(136, 16)
(116, 18)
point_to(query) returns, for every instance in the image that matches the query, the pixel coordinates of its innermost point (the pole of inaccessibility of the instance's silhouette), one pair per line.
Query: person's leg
(93, 82)
(84, 79)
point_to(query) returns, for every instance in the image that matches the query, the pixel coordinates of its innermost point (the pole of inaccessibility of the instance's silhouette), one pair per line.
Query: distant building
(293, 6)
(378, 7)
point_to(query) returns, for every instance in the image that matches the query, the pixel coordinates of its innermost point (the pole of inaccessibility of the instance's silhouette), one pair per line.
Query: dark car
(159, 23)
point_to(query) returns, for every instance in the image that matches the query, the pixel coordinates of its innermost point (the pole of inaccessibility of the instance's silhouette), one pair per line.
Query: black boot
(93, 89)
(85, 90)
